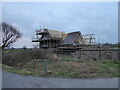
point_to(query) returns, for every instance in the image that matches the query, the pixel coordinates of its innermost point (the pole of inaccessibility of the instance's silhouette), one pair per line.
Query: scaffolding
(58, 40)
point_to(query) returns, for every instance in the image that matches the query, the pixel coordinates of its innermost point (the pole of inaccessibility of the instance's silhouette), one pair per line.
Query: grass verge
(15, 70)
(69, 69)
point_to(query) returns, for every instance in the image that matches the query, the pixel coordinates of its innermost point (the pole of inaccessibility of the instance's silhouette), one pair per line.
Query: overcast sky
(100, 18)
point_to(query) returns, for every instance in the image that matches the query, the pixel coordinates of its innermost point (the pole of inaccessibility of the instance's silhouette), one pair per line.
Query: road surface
(11, 80)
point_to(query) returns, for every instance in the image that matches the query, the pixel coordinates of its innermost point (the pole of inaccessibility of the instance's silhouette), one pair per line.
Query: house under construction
(56, 39)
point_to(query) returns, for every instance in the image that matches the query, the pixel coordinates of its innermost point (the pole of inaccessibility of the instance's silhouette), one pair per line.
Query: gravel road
(11, 80)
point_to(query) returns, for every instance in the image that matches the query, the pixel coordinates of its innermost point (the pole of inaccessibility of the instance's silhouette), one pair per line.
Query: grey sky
(100, 18)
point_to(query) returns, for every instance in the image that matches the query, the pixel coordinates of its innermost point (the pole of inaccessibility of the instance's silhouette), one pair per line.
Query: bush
(21, 57)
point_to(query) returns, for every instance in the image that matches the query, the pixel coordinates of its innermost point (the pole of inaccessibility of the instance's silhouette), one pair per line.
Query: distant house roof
(71, 37)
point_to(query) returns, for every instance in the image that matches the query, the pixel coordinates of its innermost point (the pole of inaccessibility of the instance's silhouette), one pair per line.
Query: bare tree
(10, 34)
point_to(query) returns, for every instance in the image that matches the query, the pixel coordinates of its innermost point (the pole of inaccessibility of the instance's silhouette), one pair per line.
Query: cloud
(24, 41)
(100, 18)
